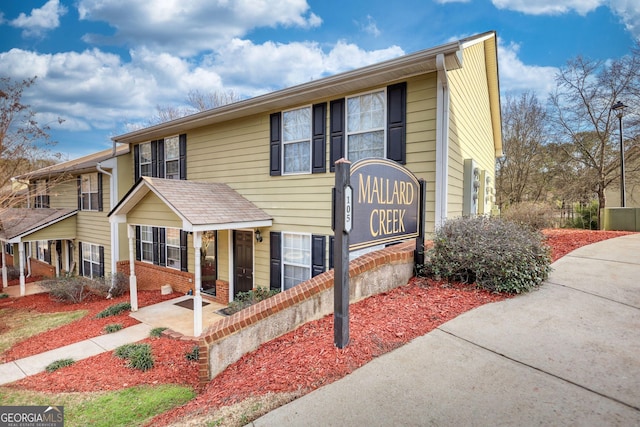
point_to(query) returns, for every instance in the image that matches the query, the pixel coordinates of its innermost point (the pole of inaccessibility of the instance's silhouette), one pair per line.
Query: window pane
(294, 275)
(86, 184)
(173, 237)
(86, 268)
(172, 170)
(145, 170)
(145, 153)
(296, 124)
(95, 270)
(95, 253)
(171, 148)
(146, 233)
(365, 112)
(296, 249)
(147, 252)
(94, 201)
(297, 157)
(173, 257)
(364, 145)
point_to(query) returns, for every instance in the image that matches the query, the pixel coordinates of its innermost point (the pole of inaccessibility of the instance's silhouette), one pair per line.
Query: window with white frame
(89, 192)
(296, 259)
(366, 121)
(91, 260)
(41, 199)
(172, 157)
(146, 243)
(42, 246)
(296, 140)
(145, 159)
(173, 248)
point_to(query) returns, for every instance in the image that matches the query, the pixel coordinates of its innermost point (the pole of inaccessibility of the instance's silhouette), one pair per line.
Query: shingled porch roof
(201, 206)
(16, 223)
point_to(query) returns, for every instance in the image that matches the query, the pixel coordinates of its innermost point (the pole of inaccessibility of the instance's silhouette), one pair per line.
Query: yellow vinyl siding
(65, 229)
(223, 254)
(93, 227)
(153, 211)
(471, 132)
(64, 194)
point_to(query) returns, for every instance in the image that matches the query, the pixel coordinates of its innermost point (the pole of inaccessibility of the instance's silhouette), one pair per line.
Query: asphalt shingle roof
(18, 221)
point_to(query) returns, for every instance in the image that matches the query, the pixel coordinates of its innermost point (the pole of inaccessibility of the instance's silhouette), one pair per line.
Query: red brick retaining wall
(42, 269)
(152, 277)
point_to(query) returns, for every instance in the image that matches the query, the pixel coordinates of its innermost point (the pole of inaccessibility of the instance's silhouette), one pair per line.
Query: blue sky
(105, 65)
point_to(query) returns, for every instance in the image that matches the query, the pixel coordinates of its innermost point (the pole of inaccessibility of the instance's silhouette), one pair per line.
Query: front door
(243, 261)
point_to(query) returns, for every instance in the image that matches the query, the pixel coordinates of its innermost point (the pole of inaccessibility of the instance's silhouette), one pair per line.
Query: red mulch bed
(304, 359)
(81, 329)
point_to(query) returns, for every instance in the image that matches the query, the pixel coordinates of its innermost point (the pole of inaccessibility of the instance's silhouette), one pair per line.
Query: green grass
(22, 324)
(129, 407)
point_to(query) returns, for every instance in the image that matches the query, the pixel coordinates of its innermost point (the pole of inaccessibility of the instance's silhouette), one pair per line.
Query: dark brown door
(243, 261)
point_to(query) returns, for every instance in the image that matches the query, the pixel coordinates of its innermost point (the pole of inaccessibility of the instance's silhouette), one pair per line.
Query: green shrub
(113, 327)
(497, 255)
(114, 310)
(141, 358)
(110, 286)
(125, 350)
(536, 216)
(586, 217)
(194, 354)
(245, 299)
(157, 332)
(61, 363)
(3, 295)
(138, 355)
(71, 289)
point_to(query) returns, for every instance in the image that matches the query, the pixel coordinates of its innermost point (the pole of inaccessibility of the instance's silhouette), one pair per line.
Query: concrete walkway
(567, 354)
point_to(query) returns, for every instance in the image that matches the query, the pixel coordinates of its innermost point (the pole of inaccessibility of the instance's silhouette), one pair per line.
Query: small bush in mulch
(110, 286)
(157, 332)
(245, 299)
(497, 255)
(3, 295)
(114, 310)
(71, 289)
(61, 363)
(194, 354)
(138, 356)
(112, 327)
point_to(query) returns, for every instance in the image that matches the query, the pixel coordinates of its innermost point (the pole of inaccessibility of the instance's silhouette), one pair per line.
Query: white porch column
(55, 257)
(133, 282)
(197, 299)
(5, 283)
(23, 286)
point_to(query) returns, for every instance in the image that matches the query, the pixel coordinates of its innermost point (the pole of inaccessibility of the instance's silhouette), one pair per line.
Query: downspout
(115, 242)
(442, 141)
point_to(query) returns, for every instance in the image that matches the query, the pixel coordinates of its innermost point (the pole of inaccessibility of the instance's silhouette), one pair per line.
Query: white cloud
(549, 7)
(629, 13)
(515, 76)
(40, 20)
(187, 28)
(370, 26)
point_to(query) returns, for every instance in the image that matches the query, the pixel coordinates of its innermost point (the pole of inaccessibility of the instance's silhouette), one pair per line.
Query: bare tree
(582, 117)
(196, 101)
(24, 143)
(521, 173)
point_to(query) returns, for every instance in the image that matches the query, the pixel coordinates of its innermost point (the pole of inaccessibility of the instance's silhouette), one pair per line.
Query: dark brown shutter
(318, 244)
(79, 181)
(138, 244)
(100, 192)
(275, 145)
(275, 281)
(184, 253)
(160, 156)
(101, 250)
(80, 260)
(396, 122)
(331, 243)
(336, 135)
(155, 231)
(47, 254)
(319, 138)
(162, 244)
(154, 158)
(136, 162)
(183, 156)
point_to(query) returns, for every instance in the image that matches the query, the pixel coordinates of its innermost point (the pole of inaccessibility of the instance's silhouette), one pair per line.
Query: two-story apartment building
(64, 226)
(240, 196)
(247, 186)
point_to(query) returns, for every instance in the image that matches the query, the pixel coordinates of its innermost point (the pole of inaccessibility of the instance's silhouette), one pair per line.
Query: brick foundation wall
(151, 277)
(8, 259)
(222, 292)
(227, 340)
(39, 268)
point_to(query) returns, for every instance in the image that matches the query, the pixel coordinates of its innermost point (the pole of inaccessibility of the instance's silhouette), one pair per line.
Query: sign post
(343, 213)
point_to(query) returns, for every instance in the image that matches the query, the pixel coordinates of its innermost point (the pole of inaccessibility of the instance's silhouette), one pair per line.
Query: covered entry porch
(167, 222)
(52, 231)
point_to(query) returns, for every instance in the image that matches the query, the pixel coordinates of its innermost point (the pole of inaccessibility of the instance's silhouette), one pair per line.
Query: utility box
(486, 194)
(471, 182)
